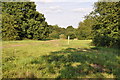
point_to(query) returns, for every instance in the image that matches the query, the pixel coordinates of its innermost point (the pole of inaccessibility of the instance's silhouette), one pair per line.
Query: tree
(70, 31)
(31, 24)
(70, 28)
(107, 29)
(56, 31)
(9, 31)
(62, 36)
(84, 30)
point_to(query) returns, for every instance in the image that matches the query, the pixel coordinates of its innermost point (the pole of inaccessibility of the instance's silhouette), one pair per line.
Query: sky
(64, 12)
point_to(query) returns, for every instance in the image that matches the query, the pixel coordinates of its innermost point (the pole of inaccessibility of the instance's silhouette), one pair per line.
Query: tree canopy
(21, 20)
(107, 27)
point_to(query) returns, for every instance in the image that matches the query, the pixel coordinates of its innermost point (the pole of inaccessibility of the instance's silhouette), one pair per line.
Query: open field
(57, 59)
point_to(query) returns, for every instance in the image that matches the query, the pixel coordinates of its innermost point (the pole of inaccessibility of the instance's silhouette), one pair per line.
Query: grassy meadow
(57, 59)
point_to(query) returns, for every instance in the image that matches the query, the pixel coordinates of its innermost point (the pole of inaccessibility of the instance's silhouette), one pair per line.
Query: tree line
(20, 20)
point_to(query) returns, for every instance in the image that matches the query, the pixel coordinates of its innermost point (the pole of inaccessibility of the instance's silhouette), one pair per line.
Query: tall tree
(31, 24)
(107, 28)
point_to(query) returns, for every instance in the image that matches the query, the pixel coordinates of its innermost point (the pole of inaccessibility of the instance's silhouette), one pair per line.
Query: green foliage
(62, 36)
(56, 31)
(84, 30)
(9, 26)
(71, 34)
(70, 28)
(107, 27)
(70, 31)
(54, 35)
(29, 23)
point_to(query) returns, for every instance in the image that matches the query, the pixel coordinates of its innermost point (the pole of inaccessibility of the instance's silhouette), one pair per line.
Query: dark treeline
(22, 21)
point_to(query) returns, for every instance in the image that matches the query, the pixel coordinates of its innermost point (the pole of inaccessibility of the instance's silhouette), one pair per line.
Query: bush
(54, 35)
(62, 36)
(72, 35)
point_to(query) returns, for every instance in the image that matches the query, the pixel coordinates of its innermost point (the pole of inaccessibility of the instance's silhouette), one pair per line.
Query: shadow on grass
(83, 63)
(46, 39)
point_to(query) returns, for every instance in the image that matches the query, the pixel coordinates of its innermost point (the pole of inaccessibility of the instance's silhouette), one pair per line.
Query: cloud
(56, 9)
(82, 10)
(53, 9)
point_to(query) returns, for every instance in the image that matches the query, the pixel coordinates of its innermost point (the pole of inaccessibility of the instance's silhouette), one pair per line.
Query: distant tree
(54, 35)
(84, 30)
(70, 28)
(70, 31)
(62, 36)
(56, 31)
(71, 34)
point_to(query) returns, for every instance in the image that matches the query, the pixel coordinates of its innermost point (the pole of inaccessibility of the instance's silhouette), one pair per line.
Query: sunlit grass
(57, 59)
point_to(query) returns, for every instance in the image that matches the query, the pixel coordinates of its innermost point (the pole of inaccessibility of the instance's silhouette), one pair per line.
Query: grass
(57, 59)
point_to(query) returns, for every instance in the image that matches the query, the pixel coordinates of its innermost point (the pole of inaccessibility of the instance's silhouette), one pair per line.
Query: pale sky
(64, 12)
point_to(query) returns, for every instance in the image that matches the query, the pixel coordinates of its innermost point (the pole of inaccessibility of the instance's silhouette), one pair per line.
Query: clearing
(57, 59)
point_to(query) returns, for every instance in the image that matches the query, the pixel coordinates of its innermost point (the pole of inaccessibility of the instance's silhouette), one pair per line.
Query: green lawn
(57, 59)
